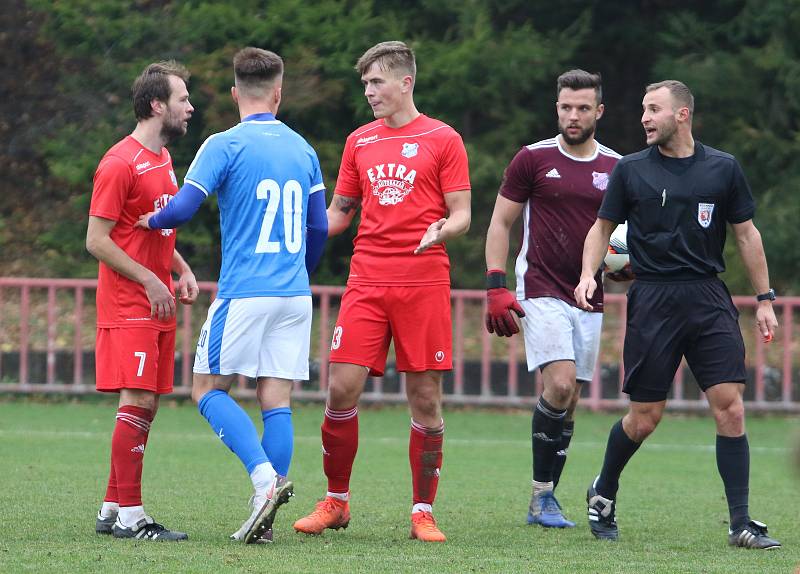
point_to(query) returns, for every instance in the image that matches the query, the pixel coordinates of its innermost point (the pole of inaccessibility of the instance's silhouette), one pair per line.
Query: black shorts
(667, 321)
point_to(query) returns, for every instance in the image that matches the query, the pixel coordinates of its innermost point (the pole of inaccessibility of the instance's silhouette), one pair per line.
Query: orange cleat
(423, 527)
(329, 513)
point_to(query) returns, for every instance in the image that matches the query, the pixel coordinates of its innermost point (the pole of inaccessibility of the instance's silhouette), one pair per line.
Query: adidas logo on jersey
(553, 173)
(139, 449)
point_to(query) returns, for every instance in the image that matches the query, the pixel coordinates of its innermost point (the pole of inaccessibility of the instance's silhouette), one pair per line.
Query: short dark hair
(255, 70)
(580, 80)
(153, 84)
(679, 91)
(390, 56)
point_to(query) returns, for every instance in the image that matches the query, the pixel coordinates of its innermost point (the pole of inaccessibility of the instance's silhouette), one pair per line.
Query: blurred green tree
(487, 67)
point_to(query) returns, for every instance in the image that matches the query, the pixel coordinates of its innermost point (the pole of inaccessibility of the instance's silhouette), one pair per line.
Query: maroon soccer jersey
(561, 194)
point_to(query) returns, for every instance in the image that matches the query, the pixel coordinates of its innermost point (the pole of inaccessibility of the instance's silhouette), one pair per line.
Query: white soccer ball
(617, 257)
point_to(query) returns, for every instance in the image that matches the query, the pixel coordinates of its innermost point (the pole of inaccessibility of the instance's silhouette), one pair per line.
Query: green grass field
(672, 513)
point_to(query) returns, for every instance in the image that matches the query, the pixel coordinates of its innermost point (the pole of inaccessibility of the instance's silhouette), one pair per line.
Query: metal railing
(47, 346)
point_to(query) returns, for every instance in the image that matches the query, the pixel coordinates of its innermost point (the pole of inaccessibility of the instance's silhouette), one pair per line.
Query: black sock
(619, 450)
(561, 455)
(546, 427)
(733, 463)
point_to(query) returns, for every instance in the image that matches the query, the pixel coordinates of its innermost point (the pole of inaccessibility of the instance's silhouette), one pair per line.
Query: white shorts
(256, 337)
(557, 331)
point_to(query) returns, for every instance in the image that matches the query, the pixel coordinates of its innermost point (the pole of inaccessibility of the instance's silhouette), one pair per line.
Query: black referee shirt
(677, 210)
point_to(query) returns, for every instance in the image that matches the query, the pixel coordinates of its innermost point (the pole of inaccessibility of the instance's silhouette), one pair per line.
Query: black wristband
(495, 279)
(768, 296)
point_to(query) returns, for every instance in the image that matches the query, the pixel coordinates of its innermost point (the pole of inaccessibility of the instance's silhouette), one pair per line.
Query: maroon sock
(339, 447)
(127, 452)
(425, 455)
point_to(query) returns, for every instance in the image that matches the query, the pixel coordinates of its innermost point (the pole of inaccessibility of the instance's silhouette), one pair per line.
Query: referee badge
(704, 212)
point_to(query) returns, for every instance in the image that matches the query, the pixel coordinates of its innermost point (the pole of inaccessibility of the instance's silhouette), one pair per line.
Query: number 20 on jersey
(292, 212)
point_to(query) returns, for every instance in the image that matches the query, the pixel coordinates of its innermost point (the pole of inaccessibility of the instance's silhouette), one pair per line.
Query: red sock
(127, 453)
(339, 447)
(425, 455)
(111, 489)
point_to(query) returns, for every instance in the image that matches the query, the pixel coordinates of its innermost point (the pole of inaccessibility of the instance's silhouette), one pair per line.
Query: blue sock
(278, 439)
(233, 426)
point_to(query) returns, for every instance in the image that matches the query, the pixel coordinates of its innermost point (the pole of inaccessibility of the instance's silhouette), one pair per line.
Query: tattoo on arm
(347, 204)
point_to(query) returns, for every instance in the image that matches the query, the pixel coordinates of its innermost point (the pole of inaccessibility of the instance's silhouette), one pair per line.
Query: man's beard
(581, 137)
(665, 133)
(172, 129)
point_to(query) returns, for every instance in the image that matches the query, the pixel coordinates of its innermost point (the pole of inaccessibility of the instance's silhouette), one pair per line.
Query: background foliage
(486, 67)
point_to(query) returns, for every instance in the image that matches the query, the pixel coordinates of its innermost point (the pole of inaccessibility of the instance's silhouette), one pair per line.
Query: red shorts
(417, 318)
(135, 359)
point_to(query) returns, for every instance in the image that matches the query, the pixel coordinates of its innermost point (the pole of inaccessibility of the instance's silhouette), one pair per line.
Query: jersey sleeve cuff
(197, 185)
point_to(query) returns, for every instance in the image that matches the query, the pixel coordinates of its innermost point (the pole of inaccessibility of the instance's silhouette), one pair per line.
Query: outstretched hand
(432, 236)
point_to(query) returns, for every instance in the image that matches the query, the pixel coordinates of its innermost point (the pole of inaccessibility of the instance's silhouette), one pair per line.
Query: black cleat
(146, 529)
(104, 525)
(752, 535)
(602, 515)
(282, 490)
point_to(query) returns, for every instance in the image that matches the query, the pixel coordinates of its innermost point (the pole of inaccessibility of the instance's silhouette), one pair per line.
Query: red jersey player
(135, 304)
(409, 174)
(557, 185)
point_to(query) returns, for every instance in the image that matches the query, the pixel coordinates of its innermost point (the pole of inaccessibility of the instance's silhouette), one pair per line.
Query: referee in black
(677, 196)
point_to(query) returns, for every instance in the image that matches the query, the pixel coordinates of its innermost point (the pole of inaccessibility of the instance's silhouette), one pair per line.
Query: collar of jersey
(699, 153)
(264, 117)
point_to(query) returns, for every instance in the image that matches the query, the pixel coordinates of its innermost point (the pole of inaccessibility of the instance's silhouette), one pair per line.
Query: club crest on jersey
(704, 212)
(410, 149)
(173, 178)
(600, 180)
(391, 182)
(160, 204)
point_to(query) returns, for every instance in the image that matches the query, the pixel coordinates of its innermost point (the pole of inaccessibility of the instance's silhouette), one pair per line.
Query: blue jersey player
(272, 217)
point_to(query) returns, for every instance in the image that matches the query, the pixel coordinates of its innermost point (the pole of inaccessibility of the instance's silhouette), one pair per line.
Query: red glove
(500, 302)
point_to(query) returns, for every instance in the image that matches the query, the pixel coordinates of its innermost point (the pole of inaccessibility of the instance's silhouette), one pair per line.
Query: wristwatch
(768, 296)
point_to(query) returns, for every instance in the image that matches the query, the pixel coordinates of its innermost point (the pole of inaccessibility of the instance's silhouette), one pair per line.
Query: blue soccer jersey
(263, 174)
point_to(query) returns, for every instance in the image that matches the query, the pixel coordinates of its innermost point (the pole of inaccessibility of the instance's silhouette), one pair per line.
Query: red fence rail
(47, 342)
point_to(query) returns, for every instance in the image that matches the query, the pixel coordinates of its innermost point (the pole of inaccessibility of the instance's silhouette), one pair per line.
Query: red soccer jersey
(401, 175)
(562, 194)
(130, 181)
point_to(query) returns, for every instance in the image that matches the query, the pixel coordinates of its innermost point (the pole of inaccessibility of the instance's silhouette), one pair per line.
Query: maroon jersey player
(557, 186)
